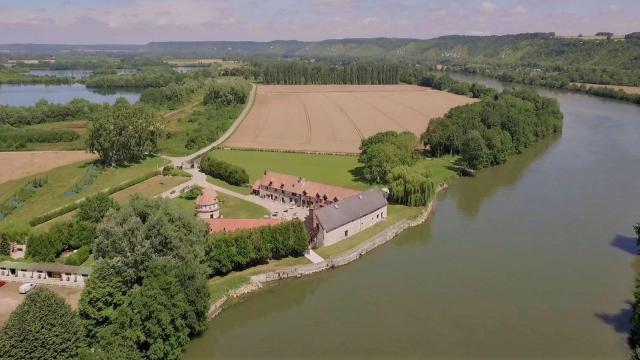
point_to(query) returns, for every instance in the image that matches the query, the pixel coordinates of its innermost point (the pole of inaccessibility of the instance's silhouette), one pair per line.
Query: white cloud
(488, 7)
(519, 10)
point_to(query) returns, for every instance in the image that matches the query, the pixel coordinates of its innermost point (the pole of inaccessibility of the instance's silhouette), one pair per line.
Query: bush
(79, 256)
(47, 246)
(192, 192)
(224, 171)
(42, 327)
(25, 192)
(244, 248)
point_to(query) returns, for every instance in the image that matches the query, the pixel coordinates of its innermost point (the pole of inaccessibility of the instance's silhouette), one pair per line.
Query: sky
(142, 21)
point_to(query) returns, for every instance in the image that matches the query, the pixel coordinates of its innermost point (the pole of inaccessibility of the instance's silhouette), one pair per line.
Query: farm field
(16, 165)
(69, 183)
(335, 118)
(628, 89)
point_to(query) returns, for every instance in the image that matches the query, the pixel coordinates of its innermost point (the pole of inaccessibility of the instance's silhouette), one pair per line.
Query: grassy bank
(219, 286)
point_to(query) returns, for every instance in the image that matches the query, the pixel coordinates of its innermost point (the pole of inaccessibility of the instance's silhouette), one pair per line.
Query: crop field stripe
(400, 126)
(306, 114)
(353, 123)
(405, 105)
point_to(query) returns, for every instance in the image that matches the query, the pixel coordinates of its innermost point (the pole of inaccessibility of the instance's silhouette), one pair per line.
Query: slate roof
(352, 208)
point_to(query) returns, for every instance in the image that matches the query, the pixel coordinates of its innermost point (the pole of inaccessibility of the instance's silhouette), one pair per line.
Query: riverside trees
(486, 133)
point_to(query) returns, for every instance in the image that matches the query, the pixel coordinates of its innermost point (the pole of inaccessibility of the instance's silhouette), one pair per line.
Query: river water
(28, 95)
(531, 259)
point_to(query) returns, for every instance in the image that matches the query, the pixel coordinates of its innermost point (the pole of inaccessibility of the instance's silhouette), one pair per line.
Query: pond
(28, 95)
(535, 258)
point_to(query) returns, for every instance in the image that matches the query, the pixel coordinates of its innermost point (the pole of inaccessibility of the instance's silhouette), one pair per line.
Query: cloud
(141, 21)
(519, 10)
(488, 7)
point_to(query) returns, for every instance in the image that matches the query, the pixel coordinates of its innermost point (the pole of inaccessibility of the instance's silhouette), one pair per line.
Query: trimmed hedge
(241, 249)
(232, 174)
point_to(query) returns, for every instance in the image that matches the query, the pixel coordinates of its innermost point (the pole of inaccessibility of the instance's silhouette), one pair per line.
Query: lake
(535, 258)
(28, 95)
(76, 74)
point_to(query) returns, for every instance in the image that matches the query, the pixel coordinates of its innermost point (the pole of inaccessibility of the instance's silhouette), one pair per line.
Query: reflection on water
(28, 95)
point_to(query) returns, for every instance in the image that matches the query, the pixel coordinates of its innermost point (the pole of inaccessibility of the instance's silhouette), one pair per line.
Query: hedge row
(238, 250)
(74, 205)
(232, 174)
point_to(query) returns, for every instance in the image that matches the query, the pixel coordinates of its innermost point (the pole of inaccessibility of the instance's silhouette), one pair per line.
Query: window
(346, 233)
(377, 216)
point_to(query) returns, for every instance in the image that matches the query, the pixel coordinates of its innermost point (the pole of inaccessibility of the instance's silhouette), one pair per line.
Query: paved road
(182, 160)
(200, 179)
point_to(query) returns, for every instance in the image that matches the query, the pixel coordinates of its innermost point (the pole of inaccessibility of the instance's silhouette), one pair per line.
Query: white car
(26, 287)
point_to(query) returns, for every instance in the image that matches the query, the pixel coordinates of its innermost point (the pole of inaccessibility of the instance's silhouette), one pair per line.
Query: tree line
(148, 77)
(305, 72)
(486, 133)
(45, 112)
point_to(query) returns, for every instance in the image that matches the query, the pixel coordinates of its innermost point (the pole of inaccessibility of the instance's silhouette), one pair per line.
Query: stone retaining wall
(256, 282)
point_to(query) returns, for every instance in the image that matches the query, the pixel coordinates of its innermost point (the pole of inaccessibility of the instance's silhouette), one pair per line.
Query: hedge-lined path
(183, 160)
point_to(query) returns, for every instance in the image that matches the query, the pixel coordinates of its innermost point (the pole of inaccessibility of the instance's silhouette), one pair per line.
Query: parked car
(26, 287)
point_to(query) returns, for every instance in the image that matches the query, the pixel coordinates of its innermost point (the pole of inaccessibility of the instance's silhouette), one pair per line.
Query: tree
(95, 207)
(408, 187)
(232, 174)
(124, 133)
(153, 317)
(42, 327)
(383, 151)
(474, 153)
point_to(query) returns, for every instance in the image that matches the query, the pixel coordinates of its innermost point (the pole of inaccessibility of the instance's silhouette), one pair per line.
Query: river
(28, 95)
(532, 259)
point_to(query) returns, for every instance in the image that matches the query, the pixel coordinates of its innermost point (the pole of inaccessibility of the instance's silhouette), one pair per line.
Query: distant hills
(531, 48)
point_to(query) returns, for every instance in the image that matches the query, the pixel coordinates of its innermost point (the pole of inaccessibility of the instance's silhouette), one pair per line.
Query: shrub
(192, 192)
(224, 171)
(384, 151)
(79, 256)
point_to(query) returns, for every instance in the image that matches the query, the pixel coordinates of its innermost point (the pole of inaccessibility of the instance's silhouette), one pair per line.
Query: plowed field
(335, 118)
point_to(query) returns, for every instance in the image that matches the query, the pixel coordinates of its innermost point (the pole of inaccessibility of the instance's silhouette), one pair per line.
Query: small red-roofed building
(207, 206)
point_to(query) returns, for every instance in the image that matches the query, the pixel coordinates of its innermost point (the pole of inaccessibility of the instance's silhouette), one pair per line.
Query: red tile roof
(227, 225)
(300, 185)
(208, 197)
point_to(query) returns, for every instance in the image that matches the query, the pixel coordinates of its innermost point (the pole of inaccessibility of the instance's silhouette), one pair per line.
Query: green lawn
(230, 207)
(331, 169)
(440, 168)
(245, 190)
(221, 285)
(149, 188)
(395, 214)
(56, 192)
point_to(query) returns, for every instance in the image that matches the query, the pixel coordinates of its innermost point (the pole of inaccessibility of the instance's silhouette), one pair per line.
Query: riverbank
(258, 281)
